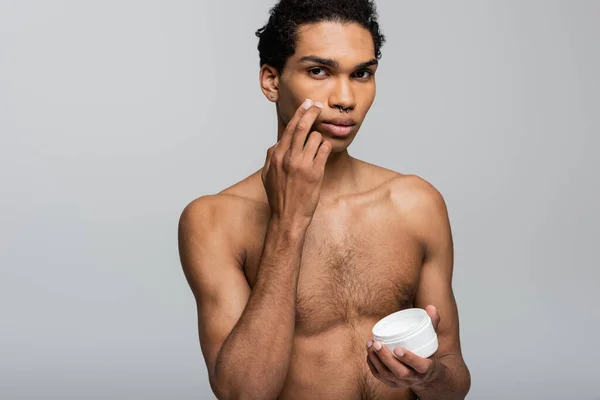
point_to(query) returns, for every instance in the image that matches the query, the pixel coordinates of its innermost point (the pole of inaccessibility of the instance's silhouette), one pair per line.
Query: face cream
(411, 329)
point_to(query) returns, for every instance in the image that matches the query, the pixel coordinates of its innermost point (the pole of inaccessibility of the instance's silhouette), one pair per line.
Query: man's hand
(294, 168)
(406, 369)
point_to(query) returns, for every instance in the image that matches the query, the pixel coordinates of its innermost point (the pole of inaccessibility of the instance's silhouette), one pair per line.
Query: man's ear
(269, 82)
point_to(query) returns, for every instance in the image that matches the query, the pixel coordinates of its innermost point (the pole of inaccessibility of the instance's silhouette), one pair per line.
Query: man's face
(334, 64)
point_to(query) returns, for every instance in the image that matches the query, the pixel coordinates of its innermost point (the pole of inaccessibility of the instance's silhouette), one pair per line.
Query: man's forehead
(343, 41)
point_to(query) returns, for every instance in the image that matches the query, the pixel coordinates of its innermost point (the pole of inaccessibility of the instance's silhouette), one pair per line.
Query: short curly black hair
(277, 39)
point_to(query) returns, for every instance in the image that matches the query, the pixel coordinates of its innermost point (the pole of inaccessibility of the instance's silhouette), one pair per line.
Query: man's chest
(353, 267)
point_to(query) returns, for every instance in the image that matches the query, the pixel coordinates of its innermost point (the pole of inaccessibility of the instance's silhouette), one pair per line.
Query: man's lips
(340, 121)
(339, 126)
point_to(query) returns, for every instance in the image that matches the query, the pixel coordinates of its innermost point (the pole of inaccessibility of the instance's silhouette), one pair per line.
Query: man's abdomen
(332, 365)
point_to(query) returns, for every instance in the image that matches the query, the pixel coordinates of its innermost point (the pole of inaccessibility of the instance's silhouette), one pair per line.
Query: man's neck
(341, 176)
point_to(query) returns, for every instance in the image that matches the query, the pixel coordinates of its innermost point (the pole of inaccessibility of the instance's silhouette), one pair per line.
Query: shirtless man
(292, 266)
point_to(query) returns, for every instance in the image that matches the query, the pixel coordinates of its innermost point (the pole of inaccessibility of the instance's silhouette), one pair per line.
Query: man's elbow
(466, 380)
(463, 378)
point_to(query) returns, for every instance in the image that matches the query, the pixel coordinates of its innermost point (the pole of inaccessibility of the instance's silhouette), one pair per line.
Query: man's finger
(314, 141)
(383, 371)
(433, 314)
(397, 368)
(288, 133)
(377, 375)
(322, 155)
(419, 364)
(303, 128)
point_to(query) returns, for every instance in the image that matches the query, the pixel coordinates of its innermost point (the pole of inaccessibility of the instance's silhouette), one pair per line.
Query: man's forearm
(452, 381)
(253, 362)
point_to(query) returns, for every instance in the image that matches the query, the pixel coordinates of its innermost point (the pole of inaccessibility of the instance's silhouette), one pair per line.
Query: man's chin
(339, 145)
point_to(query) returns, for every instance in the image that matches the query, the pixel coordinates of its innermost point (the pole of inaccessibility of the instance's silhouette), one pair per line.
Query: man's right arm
(245, 335)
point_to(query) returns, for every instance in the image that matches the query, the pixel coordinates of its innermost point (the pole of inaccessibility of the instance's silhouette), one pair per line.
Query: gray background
(115, 114)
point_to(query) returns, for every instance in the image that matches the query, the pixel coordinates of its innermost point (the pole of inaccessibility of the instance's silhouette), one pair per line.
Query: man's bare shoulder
(227, 212)
(223, 212)
(412, 192)
(415, 201)
(213, 231)
(419, 206)
(212, 211)
(405, 190)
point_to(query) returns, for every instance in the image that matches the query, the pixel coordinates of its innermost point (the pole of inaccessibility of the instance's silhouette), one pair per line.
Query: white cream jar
(411, 329)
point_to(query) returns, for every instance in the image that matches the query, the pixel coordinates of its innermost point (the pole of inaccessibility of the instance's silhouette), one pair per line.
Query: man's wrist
(437, 371)
(294, 228)
(289, 231)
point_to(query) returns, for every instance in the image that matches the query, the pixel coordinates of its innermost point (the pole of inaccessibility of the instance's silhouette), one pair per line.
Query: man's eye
(317, 72)
(363, 74)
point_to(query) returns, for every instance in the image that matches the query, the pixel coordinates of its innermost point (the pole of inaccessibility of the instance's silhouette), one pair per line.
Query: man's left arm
(445, 374)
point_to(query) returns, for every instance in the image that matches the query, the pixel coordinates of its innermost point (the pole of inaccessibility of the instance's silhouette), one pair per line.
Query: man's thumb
(435, 318)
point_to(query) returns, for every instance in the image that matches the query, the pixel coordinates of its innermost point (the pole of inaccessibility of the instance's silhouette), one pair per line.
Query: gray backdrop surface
(115, 114)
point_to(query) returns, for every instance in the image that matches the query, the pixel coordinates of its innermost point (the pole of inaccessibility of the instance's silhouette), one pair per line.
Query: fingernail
(398, 352)
(319, 105)
(377, 345)
(307, 103)
(369, 344)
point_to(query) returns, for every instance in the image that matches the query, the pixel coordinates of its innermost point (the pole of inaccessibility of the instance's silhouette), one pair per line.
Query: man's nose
(342, 95)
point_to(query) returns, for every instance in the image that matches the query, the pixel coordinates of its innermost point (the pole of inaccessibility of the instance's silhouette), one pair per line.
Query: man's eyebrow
(324, 61)
(334, 64)
(367, 64)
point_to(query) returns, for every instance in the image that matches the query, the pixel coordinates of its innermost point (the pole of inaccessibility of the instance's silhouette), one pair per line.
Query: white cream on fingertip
(307, 104)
